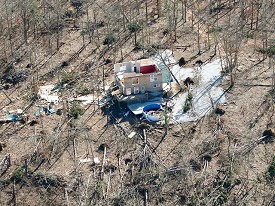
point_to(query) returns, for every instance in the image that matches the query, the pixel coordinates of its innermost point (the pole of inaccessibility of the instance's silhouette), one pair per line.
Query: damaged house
(138, 81)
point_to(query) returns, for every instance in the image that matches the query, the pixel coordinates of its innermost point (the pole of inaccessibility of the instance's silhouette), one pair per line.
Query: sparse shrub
(270, 93)
(100, 24)
(221, 199)
(193, 201)
(270, 173)
(84, 90)
(134, 27)
(138, 46)
(77, 3)
(66, 78)
(214, 30)
(152, 50)
(100, 188)
(45, 181)
(109, 39)
(250, 35)
(165, 32)
(118, 201)
(187, 104)
(18, 174)
(76, 110)
(89, 28)
(182, 61)
(69, 14)
(32, 95)
(186, 107)
(189, 97)
(269, 51)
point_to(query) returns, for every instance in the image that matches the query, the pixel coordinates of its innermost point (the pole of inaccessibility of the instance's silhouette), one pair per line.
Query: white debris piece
(131, 135)
(96, 160)
(45, 92)
(85, 160)
(87, 99)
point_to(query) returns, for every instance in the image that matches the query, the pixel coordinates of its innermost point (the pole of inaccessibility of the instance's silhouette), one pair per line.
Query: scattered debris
(126, 114)
(45, 92)
(47, 109)
(12, 117)
(131, 135)
(85, 160)
(96, 161)
(39, 111)
(87, 99)
(105, 100)
(14, 78)
(30, 65)
(108, 61)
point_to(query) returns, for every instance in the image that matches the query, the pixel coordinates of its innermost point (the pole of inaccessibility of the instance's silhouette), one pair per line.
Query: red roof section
(148, 69)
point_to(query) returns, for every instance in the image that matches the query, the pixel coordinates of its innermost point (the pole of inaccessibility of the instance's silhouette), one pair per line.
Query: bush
(270, 173)
(221, 199)
(186, 107)
(66, 78)
(269, 51)
(110, 39)
(138, 46)
(76, 110)
(118, 202)
(100, 188)
(18, 174)
(214, 30)
(45, 181)
(69, 14)
(187, 104)
(134, 27)
(182, 61)
(189, 97)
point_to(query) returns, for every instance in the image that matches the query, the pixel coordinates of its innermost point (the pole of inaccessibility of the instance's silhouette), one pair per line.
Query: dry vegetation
(226, 158)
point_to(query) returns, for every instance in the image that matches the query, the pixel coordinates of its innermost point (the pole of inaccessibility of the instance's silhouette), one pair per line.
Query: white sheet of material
(205, 92)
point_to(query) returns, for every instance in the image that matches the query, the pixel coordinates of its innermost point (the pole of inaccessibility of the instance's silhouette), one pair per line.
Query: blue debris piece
(39, 111)
(49, 110)
(61, 86)
(12, 117)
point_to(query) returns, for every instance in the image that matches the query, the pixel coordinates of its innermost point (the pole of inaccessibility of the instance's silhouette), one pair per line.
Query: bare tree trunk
(159, 8)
